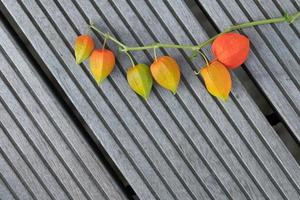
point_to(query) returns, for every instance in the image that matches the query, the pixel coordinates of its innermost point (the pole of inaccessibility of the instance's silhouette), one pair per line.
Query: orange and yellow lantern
(166, 72)
(102, 62)
(217, 79)
(84, 45)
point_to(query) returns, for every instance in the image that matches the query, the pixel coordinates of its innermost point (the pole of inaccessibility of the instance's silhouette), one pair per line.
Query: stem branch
(107, 36)
(130, 58)
(124, 48)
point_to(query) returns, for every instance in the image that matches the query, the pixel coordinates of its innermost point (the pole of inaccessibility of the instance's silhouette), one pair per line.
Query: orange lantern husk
(84, 45)
(102, 62)
(217, 79)
(231, 49)
(166, 72)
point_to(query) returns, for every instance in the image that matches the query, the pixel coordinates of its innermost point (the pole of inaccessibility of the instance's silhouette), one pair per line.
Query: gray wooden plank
(182, 117)
(296, 3)
(29, 153)
(275, 82)
(289, 7)
(17, 187)
(102, 179)
(131, 20)
(164, 113)
(54, 138)
(131, 126)
(29, 180)
(54, 163)
(283, 43)
(97, 124)
(76, 153)
(289, 36)
(255, 118)
(65, 28)
(5, 191)
(70, 9)
(94, 168)
(164, 15)
(267, 135)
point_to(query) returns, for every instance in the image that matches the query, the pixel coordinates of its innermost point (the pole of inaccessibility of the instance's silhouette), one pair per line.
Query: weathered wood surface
(183, 146)
(43, 154)
(275, 51)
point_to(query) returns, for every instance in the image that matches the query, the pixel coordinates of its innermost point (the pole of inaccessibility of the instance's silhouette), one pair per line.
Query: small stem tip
(130, 58)
(204, 58)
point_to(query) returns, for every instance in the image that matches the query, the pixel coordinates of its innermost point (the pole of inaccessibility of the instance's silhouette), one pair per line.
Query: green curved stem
(205, 59)
(109, 37)
(124, 48)
(154, 54)
(159, 45)
(130, 58)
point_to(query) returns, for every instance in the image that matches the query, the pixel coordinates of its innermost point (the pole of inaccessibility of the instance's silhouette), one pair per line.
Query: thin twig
(124, 48)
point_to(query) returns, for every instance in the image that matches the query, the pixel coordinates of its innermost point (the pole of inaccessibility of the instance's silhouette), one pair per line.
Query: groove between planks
(265, 68)
(83, 174)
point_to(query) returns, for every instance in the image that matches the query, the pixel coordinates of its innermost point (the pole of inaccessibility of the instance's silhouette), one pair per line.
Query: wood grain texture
(183, 146)
(275, 53)
(289, 7)
(15, 185)
(48, 156)
(5, 192)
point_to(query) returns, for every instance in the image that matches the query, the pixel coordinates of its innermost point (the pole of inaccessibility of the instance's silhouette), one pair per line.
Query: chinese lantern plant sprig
(229, 49)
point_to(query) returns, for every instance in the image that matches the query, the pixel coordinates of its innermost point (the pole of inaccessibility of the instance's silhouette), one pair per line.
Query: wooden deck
(43, 154)
(183, 146)
(275, 52)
